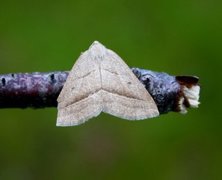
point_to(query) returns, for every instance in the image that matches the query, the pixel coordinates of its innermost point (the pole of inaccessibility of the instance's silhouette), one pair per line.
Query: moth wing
(78, 101)
(124, 95)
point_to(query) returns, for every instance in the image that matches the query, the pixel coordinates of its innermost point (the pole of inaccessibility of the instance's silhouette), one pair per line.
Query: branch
(40, 90)
(36, 90)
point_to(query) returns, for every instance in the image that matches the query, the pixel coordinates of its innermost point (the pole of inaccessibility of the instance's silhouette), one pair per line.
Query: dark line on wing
(92, 93)
(111, 71)
(85, 75)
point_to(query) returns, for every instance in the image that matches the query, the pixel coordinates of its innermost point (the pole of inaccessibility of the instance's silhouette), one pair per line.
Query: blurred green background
(176, 36)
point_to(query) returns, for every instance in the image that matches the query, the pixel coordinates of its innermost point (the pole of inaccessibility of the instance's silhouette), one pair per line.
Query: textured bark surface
(35, 90)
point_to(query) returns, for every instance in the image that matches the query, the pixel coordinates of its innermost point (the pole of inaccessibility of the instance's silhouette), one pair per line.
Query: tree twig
(36, 90)
(40, 90)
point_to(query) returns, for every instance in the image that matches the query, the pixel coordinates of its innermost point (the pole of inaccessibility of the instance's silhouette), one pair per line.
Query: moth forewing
(101, 81)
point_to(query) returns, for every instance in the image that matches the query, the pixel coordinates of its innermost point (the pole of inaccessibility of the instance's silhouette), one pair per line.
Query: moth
(100, 81)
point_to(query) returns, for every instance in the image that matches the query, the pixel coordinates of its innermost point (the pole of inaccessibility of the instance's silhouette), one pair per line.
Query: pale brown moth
(100, 81)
